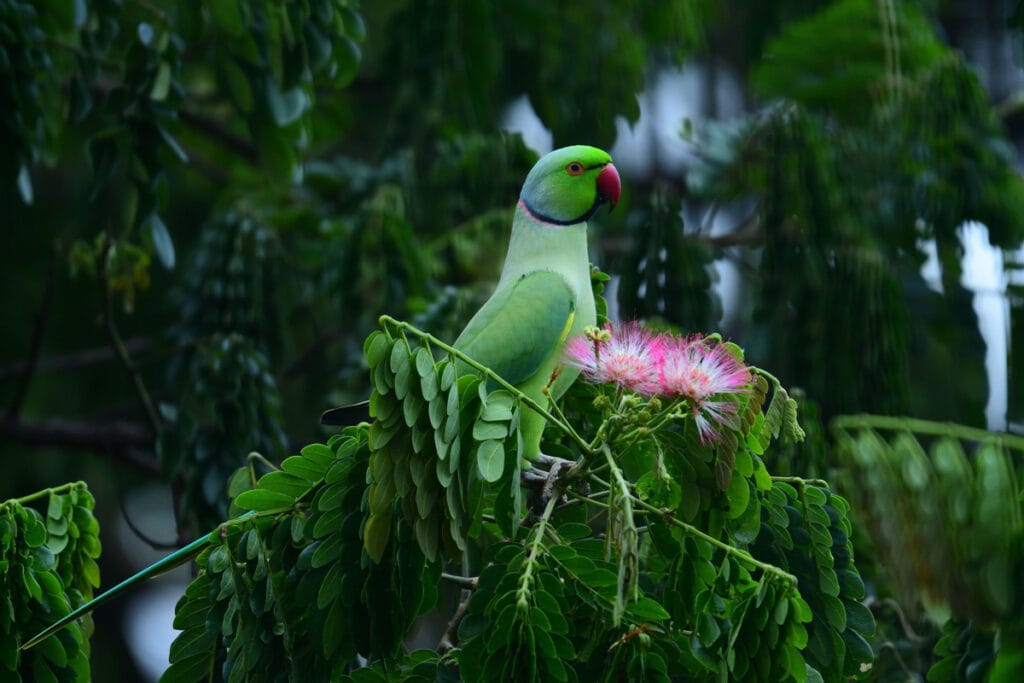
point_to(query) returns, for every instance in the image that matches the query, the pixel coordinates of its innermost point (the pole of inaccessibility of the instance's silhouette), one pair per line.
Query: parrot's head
(568, 185)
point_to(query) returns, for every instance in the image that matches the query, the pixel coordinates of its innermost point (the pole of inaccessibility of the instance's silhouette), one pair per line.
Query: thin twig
(76, 359)
(744, 556)
(451, 634)
(42, 317)
(141, 535)
(468, 582)
(122, 350)
(908, 630)
(221, 133)
(58, 490)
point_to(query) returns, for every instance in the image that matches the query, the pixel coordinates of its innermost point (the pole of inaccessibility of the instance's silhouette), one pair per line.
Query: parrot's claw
(557, 465)
(547, 480)
(551, 461)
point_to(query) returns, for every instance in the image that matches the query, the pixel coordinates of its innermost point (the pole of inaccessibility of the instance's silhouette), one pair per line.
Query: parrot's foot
(548, 479)
(556, 466)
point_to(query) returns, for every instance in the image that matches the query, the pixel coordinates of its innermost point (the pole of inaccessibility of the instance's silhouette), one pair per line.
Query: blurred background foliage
(208, 205)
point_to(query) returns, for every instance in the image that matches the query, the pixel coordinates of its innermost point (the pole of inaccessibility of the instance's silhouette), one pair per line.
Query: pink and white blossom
(629, 357)
(704, 374)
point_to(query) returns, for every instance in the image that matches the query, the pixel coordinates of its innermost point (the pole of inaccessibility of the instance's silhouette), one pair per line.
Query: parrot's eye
(575, 168)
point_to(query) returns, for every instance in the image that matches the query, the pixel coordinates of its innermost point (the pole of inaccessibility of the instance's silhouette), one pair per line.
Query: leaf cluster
(946, 517)
(440, 444)
(47, 568)
(942, 504)
(227, 400)
(286, 591)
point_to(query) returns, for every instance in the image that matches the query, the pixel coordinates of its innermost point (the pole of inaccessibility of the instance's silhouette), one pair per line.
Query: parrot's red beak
(608, 185)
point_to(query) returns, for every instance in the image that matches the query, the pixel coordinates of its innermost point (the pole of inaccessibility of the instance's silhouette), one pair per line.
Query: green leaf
(375, 535)
(261, 500)
(55, 507)
(647, 609)
(283, 482)
(572, 531)
(490, 460)
(424, 363)
(834, 612)
(161, 83)
(303, 466)
(228, 16)
(376, 348)
(498, 407)
(738, 495)
(34, 530)
(484, 431)
(285, 107)
(859, 617)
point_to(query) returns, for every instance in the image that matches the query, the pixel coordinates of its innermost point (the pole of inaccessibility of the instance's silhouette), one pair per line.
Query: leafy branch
(490, 375)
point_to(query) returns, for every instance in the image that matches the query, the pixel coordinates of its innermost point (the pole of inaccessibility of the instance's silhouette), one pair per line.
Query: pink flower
(629, 357)
(701, 373)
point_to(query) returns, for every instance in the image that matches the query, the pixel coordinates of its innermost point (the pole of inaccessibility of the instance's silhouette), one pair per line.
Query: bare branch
(77, 359)
(218, 131)
(128, 441)
(451, 635)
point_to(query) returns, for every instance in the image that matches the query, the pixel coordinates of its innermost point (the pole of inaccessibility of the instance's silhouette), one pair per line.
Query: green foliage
(810, 522)
(440, 444)
(296, 173)
(949, 524)
(47, 568)
(966, 654)
(462, 62)
(849, 56)
(656, 557)
(669, 272)
(227, 399)
(285, 592)
(942, 503)
(878, 140)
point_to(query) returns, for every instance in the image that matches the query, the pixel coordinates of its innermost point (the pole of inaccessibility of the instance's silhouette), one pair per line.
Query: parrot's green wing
(520, 326)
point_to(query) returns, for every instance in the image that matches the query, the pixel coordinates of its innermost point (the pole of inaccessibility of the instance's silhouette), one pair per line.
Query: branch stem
(909, 424)
(56, 490)
(743, 555)
(467, 582)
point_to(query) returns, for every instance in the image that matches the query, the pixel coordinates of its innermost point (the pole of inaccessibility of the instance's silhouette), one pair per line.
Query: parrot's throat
(554, 221)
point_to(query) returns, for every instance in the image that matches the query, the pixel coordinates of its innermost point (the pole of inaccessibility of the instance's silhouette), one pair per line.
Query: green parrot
(544, 294)
(543, 297)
